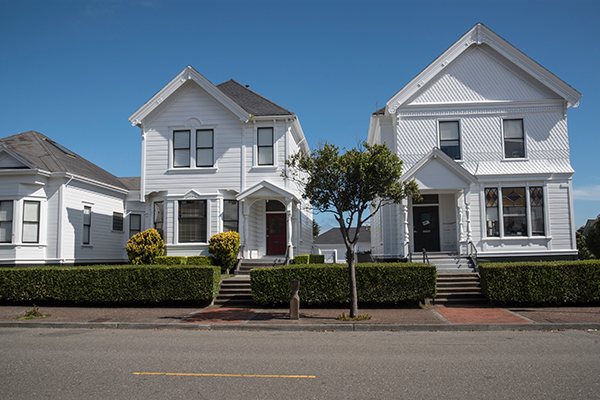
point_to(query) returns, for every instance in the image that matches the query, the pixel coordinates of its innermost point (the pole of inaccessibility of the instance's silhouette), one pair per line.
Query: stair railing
(425, 257)
(240, 258)
(473, 255)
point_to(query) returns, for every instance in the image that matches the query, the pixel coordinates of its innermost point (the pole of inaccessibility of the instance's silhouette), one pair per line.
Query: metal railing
(473, 255)
(240, 258)
(425, 257)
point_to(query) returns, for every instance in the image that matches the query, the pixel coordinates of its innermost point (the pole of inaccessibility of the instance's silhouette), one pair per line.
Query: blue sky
(76, 70)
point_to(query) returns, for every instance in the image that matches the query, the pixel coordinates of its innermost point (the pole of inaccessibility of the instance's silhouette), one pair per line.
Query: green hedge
(303, 259)
(309, 259)
(126, 284)
(170, 260)
(201, 260)
(568, 282)
(377, 283)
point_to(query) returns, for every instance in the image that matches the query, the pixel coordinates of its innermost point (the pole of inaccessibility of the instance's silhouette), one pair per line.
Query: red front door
(276, 237)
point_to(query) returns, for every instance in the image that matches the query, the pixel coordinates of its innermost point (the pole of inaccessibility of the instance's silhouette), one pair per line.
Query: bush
(144, 247)
(384, 283)
(170, 260)
(592, 239)
(316, 259)
(224, 247)
(126, 284)
(201, 260)
(304, 259)
(567, 282)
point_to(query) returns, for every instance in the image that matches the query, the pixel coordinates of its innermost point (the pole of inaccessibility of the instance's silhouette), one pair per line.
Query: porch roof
(436, 170)
(266, 189)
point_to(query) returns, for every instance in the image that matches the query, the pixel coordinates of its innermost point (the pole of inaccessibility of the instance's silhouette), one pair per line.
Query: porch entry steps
(235, 292)
(446, 262)
(459, 289)
(248, 264)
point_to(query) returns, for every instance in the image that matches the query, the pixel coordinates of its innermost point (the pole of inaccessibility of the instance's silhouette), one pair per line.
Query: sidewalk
(433, 318)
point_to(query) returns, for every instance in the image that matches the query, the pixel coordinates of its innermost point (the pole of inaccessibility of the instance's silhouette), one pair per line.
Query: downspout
(61, 212)
(143, 172)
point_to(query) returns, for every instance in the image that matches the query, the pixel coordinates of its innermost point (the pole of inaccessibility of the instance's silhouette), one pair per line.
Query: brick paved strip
(220, 316)
(473, 315)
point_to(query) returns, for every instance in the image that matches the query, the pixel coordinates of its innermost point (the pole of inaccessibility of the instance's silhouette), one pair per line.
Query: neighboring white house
(56, 207)
(212, 161)
(331, 244)
(483, 131)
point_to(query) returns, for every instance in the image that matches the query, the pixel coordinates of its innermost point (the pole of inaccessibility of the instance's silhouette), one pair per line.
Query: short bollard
(294, 299)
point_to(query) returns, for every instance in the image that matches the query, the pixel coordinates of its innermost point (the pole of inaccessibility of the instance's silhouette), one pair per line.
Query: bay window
(6, 221)
(522, 212)
(159, 210)
(192, 221)
(31, 221)
(230, 216)
(514, 208)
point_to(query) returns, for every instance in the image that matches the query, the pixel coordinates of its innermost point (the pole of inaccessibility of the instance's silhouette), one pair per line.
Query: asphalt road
(143, 364)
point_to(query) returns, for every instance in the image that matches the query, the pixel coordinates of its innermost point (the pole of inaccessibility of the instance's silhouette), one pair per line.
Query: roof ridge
(250, 90)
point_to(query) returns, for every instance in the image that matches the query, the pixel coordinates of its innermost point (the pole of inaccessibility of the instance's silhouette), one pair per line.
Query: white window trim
(89, 244)
(525, 153)
(176, 220)
(12, 226)
(526, 185)
(192, 130)
(460, 137)
(255, 164)
(17, 222)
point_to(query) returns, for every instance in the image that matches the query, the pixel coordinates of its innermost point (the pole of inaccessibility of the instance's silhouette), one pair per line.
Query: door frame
(269, 247)
(435, 208)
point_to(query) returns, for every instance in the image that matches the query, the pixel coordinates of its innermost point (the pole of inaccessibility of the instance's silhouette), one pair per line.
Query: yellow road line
(226, 375)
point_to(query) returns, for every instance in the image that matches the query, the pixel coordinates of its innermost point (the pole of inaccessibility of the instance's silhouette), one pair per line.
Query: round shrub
(224, 247)
(144, 247)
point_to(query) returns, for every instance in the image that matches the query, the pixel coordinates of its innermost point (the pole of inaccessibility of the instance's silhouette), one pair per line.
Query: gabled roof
(479, 35)
(251, 101)
(42, 153)
(240, 100)
(266, 189)
(447, 166)
(334, 236)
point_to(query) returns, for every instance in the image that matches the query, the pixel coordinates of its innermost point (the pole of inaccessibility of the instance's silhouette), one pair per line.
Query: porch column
(288, 214)
(468, 213)
(405, 232)
(461, 225)
(244, 230)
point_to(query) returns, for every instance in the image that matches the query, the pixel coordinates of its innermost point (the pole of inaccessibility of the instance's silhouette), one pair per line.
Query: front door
(426, 228)
(276, 234)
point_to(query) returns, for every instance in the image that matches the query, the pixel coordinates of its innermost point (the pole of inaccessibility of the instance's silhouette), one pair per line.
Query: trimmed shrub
(201, 260)
(170, 260)
(377, 283)
(567, 282)
(125, 284)
(304, 259)
(224, 247)
(144, 247)
(316, 259)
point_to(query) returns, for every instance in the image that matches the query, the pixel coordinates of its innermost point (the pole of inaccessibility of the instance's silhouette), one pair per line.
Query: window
(265, 146)
(450, 139)
(31, 222)
(135, 224)
(230, 216)
(515, 211)
(117, 222)
(491, 212)
(159, 217)
(181, 149)
(192, 221)
(204, 148)
(87, 224)
(6, 219)
(514, 138)
(275, 205)
(536, 204)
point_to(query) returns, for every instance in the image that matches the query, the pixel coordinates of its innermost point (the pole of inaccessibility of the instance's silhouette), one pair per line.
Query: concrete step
(235, 291)
(459, 288)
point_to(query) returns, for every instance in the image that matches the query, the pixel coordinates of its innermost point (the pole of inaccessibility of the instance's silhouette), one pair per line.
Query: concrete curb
(350, 327)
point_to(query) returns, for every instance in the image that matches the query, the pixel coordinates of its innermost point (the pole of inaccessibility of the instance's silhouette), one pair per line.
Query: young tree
(592, 239)
(353, 186)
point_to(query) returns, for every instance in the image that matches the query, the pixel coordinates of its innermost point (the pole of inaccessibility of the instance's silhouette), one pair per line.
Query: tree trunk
(352, 280)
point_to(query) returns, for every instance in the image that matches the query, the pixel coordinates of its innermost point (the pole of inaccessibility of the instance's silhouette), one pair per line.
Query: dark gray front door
(426, 228)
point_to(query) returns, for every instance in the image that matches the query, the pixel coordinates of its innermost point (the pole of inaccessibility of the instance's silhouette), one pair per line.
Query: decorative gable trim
(188, 74)
(272, 189)
(449, 163)
(479, 35)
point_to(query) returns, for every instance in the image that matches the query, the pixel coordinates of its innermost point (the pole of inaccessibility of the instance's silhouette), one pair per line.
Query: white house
(212, 161)
(56, 207)
(483, 131)
(331, 244)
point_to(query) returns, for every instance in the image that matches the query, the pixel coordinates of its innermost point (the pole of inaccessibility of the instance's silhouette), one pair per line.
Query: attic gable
(8, 160)
(480, 35)
(478, 75)
(438, 171)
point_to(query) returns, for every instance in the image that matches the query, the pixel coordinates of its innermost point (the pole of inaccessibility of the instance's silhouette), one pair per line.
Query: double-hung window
(135, 224)
(159, 211)
(204, 148)
(192, 221)
(31, 221)
(117, 224)
(230, 215)
(87, 224)
(181, 149)
(514, 138)
(265, 146)
(450, 138)
(6, 221)
(514, 208)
